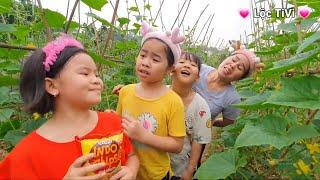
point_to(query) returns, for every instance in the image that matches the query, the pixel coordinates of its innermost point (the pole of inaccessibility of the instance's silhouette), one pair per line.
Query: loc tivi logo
(303, 12)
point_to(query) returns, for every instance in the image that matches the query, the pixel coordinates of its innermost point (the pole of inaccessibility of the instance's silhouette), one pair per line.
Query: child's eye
(239, 67)
(84, 73)
(142, 55)
(156, 60)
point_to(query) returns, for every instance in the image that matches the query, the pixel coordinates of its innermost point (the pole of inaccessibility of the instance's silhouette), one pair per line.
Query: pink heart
(244, 12)
(304, 12)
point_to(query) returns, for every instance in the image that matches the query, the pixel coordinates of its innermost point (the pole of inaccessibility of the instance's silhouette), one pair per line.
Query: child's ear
(198, 77)
(170, 69)
(51, 86)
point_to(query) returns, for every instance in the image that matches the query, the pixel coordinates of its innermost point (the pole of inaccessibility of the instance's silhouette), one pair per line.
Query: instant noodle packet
(106, 149)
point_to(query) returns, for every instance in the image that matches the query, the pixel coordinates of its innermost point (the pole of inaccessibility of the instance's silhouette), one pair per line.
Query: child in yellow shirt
(153, 114)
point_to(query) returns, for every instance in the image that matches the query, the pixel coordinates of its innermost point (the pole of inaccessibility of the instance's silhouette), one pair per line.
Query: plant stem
(45, 22)
(2, 45)
(108, 35)
(71, 15)
(158, 12)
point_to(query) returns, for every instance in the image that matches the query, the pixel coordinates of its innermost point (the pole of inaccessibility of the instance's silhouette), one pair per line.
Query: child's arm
(135, 130)
(193, 161)
(130, 170)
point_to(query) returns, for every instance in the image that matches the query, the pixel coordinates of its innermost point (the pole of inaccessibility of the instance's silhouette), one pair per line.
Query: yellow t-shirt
(163, 116)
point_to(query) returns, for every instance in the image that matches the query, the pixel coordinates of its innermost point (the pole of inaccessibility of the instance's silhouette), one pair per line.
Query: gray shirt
(198, 128)
(218, 101)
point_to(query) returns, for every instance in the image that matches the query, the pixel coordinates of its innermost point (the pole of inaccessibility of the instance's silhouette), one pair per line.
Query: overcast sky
(227, 22)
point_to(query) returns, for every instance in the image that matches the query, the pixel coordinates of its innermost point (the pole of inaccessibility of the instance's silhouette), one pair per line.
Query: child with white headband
(153, 113)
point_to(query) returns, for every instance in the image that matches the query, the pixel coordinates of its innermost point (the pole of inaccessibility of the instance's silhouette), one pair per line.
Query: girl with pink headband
(153, 115)
(215, 85)
(62, 78)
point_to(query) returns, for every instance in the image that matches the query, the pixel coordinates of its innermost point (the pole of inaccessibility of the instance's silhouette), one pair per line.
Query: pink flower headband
(172, 39)
(54, 48)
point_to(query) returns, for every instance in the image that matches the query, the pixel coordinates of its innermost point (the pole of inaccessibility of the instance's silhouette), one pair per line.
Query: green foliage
(95, 4)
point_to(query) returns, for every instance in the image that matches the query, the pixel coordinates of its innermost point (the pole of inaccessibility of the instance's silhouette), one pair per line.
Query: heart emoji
(304, 12)
(244, 12)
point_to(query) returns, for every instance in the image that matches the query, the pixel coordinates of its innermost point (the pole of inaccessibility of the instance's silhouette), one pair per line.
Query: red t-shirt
(38, 158)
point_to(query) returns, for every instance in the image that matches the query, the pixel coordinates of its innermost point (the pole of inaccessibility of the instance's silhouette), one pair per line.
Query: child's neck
(214, 80)
(151, 90)
(185, 91)
(68, 122)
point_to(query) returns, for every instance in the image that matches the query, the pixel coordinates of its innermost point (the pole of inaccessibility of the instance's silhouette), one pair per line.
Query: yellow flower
(35, 116)
(273, 162)
(313, 148)
(303, 167)
(278, 86)
(30, 45)
(314, 158)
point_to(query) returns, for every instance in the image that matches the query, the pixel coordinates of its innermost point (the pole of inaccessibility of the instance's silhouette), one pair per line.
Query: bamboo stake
(108, 36)
(138, 8)
(2, 45)
(71, 15)
(203, 28)
(184, 14)
(209, 37)
(68, 9)
(78, 31)
(196, 23)
(178, 14)
(45, 22)
(158, 12)
(207, 29)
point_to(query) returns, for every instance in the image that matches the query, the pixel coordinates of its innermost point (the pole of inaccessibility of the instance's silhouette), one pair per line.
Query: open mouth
(185, 72)
(227, 70)
(144, 72)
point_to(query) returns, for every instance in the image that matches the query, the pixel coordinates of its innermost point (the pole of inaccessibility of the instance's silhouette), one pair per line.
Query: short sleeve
(202, 122)
(176, 123)
(119, 105)
(127, 146)
(16, 166)
(228, 111)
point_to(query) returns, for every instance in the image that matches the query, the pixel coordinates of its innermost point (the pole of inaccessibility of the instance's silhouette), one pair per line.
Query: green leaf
(291, 27)
(6, 126)
(8, 81)
(218, 166)
(31, 125)
(7, 28)
(95, 4)
(22, 32)
(255, 102)
(134, 8)
(5, 114)
(297, 133)
(103, 21)
(14, 136)
(295, 61)
(55, 19)
(123, 21)
(299, 92)
(308, 41)
(270, 131)
(100, 60)
(6, 6)
(147, 6)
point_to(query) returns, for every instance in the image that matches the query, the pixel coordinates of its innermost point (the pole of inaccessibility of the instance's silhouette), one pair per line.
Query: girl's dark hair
(32, 79)
(169, 52)
(191, 57)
